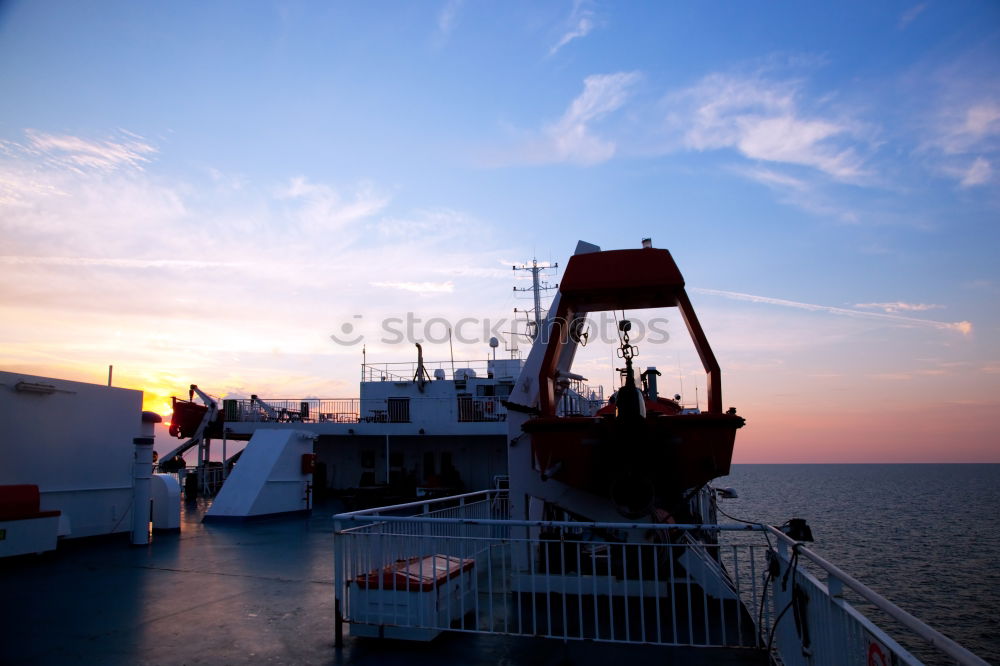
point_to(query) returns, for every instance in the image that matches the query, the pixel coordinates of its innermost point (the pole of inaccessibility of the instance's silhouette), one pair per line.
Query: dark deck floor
(259, 593)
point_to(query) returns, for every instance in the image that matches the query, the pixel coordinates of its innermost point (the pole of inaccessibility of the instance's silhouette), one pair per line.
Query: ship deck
(259, 592)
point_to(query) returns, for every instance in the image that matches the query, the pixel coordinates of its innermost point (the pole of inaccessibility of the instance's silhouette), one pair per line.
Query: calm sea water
(924, 536)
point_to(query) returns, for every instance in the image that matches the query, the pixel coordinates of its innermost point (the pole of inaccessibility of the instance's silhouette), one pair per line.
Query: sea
(925, 536)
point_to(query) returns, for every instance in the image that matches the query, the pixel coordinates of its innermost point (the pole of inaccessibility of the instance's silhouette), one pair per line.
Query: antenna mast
(536, 288)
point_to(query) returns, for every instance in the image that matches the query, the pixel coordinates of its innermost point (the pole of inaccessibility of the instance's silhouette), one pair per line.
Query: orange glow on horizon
(929, 433)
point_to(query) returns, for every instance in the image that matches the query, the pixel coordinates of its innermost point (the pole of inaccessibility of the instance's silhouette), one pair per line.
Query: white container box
(412, 599)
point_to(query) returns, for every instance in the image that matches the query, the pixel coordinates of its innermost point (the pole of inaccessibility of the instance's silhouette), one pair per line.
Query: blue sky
(203, 192)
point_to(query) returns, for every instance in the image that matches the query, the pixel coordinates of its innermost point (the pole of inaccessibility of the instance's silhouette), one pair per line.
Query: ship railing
(743, 586)
(818, 621)
(463, 408)
(406, 371)
(291, 410)
(210, 477)
(556, 579)
(580, 400)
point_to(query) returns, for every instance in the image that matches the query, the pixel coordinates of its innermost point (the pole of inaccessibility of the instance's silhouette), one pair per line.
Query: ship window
(398, 410)
(395, 459)
(486, 390)
(428, 464)
(368, 459)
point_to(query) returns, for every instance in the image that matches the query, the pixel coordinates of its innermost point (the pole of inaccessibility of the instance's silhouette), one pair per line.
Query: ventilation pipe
(142, 474)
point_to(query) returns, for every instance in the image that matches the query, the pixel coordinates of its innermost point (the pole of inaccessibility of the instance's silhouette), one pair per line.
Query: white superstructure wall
(74, 441)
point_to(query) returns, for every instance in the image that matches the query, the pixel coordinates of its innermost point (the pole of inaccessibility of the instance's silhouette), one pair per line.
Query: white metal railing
(306, 410)
(462, 408)
(824, 628)
(554, 579)
(406, 370)
(367, 410)
(581, 399)
(676, 585)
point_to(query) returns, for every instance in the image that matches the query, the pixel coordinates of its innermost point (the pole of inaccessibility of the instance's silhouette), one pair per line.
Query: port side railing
(460, 564)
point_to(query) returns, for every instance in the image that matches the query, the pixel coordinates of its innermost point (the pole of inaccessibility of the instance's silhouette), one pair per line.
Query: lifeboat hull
(671, 453)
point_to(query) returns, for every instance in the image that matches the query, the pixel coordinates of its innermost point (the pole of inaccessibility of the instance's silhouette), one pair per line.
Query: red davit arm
(622, 280)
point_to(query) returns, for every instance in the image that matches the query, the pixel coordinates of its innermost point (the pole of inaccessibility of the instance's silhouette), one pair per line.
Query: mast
(536, 289)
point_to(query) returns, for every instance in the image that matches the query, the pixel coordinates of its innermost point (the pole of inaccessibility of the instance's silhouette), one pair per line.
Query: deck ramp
(268, 480)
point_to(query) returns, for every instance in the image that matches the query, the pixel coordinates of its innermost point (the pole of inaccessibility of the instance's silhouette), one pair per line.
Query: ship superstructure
(416, 428)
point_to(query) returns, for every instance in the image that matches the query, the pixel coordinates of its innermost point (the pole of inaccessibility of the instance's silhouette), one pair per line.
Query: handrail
(375, 514)
(373, 518)
(350, 515)
(932, 636)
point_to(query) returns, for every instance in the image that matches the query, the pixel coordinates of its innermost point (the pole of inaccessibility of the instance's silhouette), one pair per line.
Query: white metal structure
(651, 592)
(74, 441)
(269, 479)
(166, 496)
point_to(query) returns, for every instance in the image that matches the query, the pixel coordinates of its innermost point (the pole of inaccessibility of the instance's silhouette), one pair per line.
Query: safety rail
(210, 477)
(462, 408)
(405, 371)
(582, 399)
(285, 410)
(462, 565)
(825, 628)
(540, 578)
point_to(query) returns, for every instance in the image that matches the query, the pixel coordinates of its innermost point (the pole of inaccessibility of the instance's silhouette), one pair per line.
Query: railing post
(338, 585)
(834, 585)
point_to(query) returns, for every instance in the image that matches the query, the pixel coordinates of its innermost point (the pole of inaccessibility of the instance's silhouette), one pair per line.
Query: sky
(212, 192)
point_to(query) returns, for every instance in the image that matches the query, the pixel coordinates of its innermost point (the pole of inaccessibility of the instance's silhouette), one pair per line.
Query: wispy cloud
(979, 172)
(70, 232)
(419, 287)
(571, 138)
(448, 16)
(125, 150)
(773, 178)
(433, 224)
(762, 120)
(802, 193)
(964, 129)
(899, 306)
(963, 327)
(960, 128)
(319, 207)
(907, 17)
(106, 262)
(578, 25)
